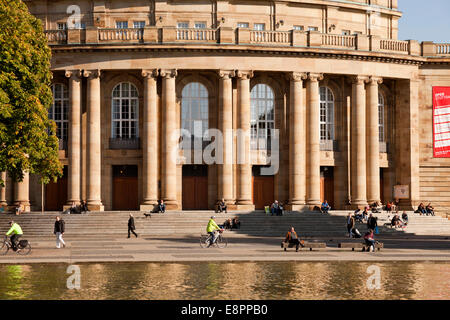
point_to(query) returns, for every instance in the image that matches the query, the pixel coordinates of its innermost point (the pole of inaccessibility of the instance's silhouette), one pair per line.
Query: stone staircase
(193, 223)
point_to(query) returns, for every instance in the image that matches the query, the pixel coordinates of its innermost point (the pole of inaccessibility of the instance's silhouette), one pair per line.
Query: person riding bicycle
(211, 228)
(16, 232)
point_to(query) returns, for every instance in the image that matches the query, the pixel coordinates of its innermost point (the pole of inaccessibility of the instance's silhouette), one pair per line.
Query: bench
(310, 245)
(359, 245)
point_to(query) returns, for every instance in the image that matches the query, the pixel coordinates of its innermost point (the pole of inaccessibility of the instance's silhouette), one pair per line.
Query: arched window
(59, 111)
(194, 110)
(381, 119)
(125, 111)
(326, 114)
(262, 121)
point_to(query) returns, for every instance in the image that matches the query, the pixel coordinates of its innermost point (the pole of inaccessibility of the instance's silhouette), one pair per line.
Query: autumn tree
(27, 136)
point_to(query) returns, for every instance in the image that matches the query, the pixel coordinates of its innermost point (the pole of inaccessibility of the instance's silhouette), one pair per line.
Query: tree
(27, 137)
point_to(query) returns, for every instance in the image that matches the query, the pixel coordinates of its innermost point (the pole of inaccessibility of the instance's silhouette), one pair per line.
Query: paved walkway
(245, 248)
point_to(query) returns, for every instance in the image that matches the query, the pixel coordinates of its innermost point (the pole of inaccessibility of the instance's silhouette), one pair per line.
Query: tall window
(125, 111)
(326, 114)
(194, 110)
(59, 111)
(381, 126)
(262, 121)
(259, 26)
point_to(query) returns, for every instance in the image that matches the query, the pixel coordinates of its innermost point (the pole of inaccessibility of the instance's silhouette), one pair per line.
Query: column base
(359, 205)
(96, 207)
(147, 207)
(245, 207)
(26, 206)
(296, 207)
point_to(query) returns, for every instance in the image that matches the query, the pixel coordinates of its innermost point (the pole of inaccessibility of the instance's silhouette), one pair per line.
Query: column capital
(92, 74)
(297, 76)
(168, 73)
(244, 74)
(359, 79)
(150, 73)
(314, 77)
(226, 74)
(374, 80)
(76, 74)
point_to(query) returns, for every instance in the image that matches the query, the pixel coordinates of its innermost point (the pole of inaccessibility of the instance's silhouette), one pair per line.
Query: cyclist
(16, 232)
(211, 228)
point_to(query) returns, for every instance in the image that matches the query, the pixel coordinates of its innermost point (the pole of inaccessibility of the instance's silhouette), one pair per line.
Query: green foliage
(27, 137)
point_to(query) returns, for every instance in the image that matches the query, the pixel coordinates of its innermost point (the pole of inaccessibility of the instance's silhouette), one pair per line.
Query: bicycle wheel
(25, 251)
(204, 241)
(221, 242)
(4, 249)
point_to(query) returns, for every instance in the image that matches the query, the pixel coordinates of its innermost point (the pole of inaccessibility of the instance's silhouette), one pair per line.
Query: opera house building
(250, 101)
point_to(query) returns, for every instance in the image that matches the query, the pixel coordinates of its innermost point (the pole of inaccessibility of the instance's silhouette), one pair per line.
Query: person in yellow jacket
(211, 228)
(16, 232)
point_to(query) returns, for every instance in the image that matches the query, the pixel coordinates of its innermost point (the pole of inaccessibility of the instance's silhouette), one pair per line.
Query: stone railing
(430, 49)
(124, 144)
(120, 35)
(245, 36)
(56, 36)
(338, 41)
(394, 46)
(270, 37)
(196, 35)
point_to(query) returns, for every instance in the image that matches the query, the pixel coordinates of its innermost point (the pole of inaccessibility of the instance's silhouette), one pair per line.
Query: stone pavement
(240, 248)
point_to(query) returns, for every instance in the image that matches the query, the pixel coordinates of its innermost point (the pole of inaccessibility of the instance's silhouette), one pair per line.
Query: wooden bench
(359, 245)
(310, 245)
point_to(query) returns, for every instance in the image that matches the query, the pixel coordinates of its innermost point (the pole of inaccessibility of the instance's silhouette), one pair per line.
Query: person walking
(350, 224)
(131, 226)
(60, 228)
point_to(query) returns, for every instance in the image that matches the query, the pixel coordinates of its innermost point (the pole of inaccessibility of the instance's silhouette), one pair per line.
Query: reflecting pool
(258, 280)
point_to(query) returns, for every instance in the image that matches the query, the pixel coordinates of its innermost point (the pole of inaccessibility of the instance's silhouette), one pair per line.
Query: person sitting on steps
(325, 207)
(161, 207)
(222, 206)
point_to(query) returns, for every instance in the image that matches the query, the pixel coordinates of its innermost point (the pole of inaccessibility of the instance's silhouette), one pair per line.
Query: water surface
(258, 280)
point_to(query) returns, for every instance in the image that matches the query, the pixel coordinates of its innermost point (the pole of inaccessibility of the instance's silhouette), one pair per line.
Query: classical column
(74, 179)
(244, 167)
(225, 169)
(373, 141)
(22, 192)
(3, 201)
(358, 143)
(94, 159)
(297, 159)
(169, 139)
(313, 140)
(149, 142)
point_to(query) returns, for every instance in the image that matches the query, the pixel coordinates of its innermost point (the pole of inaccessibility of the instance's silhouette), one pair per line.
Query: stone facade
(305, 51)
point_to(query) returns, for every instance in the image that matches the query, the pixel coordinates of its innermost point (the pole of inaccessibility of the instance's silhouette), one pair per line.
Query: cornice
(301, 52)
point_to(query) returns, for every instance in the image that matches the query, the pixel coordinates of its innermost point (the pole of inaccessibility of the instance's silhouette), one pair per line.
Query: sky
(425, 20)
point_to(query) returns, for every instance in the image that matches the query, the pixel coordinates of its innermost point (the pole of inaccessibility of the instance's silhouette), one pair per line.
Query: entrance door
(125, 188)
(56, 193)
(263, 189)
(195, 187)
(327, 185)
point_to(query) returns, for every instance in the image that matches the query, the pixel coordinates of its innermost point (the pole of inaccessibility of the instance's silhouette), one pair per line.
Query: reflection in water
(252, 280)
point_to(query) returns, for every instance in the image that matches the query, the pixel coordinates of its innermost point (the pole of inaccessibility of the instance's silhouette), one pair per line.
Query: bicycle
(23, 247)
(221, 242)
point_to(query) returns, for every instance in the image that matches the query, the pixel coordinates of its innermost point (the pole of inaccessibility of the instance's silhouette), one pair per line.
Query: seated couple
(276, 208)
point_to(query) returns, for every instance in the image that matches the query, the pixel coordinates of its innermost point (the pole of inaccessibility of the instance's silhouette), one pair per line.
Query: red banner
(441, 122)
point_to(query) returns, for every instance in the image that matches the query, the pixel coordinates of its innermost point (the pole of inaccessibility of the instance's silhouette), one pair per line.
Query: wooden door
(125, 188)
(125, 193)
(263, 191)
(56, 193)
(327, 187)
(195, 193)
